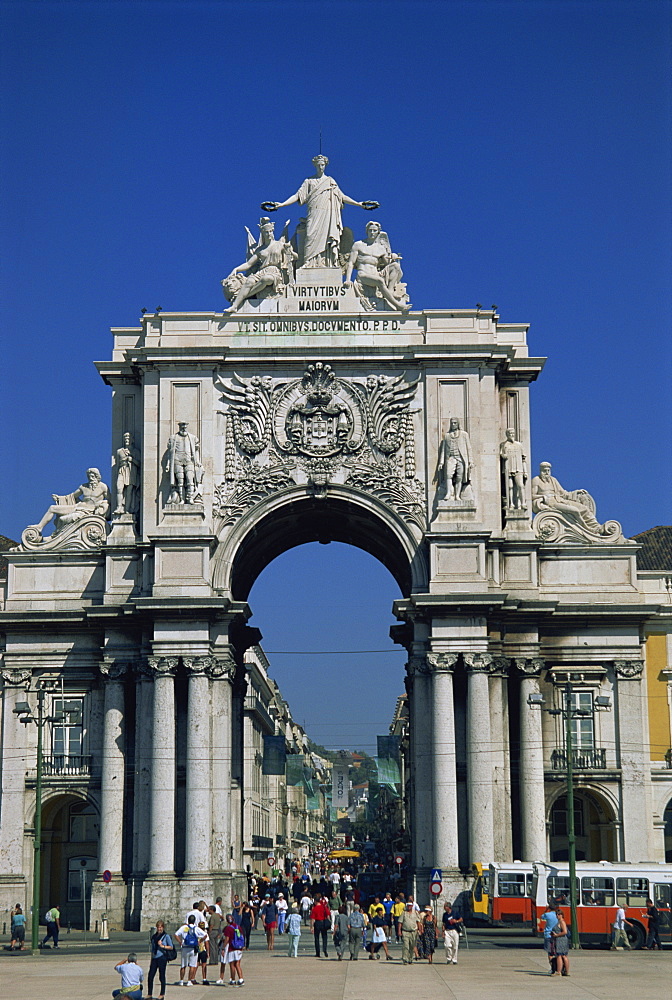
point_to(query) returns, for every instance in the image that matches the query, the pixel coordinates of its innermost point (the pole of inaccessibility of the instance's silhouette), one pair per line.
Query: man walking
(620, 935)
(451, 933)
(53, 920)
(355, 931)
(409, 933)
(320, 919)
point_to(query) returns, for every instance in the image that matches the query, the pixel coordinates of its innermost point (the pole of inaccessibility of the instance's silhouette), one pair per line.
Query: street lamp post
(568, 713)
(22, 710)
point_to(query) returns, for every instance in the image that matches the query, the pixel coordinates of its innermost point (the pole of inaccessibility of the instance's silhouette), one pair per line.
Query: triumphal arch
(320, 404)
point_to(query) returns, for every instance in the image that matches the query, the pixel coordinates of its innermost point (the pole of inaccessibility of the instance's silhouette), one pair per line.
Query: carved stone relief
(628, 669)
(316, 431)
(80, 519)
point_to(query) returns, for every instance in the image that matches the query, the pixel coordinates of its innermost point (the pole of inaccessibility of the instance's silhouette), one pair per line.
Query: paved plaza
(496, 965)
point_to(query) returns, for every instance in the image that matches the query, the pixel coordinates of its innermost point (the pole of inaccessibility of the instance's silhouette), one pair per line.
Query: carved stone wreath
(318, 430)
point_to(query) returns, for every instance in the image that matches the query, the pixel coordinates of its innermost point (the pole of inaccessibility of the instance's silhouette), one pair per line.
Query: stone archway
(294, 517)
(70, 829)
(595, 822)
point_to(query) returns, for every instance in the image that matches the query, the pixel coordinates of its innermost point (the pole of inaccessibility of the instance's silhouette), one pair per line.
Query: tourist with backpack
(52, 919)
(188, 935)
(163, 951)
(233, 942)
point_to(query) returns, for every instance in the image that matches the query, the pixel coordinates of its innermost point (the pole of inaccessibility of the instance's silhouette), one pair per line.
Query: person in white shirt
(281, 904)
(620, 935)
(189, 935)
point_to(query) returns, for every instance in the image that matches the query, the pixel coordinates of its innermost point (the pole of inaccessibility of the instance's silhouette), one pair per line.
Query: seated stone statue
(92, 497)
(270, 266)
(379, 273)
(574, 509)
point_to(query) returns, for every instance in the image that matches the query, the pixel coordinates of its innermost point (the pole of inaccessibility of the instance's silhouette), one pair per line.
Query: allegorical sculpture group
(320, 240)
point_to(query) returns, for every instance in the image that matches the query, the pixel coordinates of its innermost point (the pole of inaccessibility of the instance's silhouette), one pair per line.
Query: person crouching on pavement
(131, 978)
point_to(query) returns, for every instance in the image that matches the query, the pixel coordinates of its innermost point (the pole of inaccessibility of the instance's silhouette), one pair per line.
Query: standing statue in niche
(378, 270)
(92, 497)
(514, 464)
(456, 462)
(184, 466)
(271, 266)
(127, 463)
(324, 201)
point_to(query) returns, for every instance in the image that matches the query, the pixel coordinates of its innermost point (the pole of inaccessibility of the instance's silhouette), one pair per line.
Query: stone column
(143, 763)
(198, 796)
(162, 811)
(501, 759)
(532, 798)
(112, 777)
(222, 671)
(422, 770)
(479, 762)
(632, 744)
(15, 686)
(444, 816)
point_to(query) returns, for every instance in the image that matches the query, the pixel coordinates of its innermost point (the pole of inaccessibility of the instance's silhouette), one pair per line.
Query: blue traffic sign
(436, 875)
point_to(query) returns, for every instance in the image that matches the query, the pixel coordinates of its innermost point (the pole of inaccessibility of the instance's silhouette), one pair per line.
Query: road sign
(436, 888)
(270, 859)
(107, 876)
(399, 859)
(436, 876)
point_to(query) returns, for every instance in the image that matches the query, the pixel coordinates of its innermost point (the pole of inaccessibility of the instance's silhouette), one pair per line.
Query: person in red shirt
(320, 921)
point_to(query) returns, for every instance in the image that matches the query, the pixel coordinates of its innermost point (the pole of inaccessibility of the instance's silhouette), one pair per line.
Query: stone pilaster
(532, 798)
(222, 673)
(479, 763)
(198, 795)
(636, 805)
(144, 705)
(15, 683)
(445, 843)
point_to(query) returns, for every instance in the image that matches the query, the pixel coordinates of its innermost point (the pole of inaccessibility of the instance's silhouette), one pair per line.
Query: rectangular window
(582, 720)
(632, 891)
(597, 891)
(662, 896)
(559, 820)
(511, 884)
(67, 738)
(558, 888)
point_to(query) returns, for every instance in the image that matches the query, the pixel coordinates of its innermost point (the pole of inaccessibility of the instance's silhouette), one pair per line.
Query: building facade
(314, 409)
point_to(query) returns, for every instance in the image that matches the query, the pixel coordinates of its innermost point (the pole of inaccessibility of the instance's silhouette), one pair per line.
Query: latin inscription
(318, 325)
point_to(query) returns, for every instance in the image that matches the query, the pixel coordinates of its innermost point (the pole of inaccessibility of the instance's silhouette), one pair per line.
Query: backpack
(190, 939)
(238, 940)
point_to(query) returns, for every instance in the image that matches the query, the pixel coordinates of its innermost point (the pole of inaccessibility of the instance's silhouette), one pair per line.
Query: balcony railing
(259, 841)
(66, 765)
(583, 759)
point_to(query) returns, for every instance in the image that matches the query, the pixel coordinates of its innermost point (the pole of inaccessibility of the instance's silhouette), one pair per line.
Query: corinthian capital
(628, 670)
(478, 663)
(530, 666)
(442, 663)
(416, 665)
(222, 667)
(197, 664)
(15, 676)
(113, 670)
(162, 666)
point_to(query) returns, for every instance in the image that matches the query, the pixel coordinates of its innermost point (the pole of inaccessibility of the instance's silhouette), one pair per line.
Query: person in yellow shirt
(373, 908)
(397, 910)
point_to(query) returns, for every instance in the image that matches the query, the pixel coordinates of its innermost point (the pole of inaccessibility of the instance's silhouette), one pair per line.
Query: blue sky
(521, 155)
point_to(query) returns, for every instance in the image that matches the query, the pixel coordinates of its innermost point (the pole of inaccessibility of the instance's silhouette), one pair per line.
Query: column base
(109, 898)
(454, 883)
(167, 897)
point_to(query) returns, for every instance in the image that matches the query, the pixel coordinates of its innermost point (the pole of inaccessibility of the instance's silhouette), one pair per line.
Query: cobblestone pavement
(494, 966)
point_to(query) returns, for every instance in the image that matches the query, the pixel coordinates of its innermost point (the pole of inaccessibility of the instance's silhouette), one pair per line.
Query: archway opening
(325, 615)
(70, 828)
(324, 520)
(593, 826)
